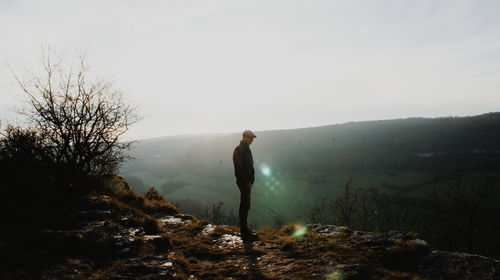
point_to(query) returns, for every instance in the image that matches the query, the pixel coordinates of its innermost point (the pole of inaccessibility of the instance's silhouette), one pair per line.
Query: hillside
(387, 144)
(110, 232)
(298, 167)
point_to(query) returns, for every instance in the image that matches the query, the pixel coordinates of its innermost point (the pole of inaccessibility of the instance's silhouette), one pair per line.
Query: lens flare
(299, 231)
(334, 276)
(265, 170)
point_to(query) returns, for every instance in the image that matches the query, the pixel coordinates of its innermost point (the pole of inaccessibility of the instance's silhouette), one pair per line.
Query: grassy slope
(191, 248)
(62, 250)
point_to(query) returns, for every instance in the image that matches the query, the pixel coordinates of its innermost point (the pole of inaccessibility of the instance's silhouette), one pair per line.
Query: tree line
(460, 215)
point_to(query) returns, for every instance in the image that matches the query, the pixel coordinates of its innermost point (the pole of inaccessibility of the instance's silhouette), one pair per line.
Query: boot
(247, 234)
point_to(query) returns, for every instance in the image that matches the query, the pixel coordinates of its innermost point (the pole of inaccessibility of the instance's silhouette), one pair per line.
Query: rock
(166, 264)
(207, 229)
(126, 236)
(171, 221)
(229, 241)
(454, 265)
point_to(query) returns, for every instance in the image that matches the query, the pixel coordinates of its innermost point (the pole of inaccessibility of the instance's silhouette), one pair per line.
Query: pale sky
(224, 66)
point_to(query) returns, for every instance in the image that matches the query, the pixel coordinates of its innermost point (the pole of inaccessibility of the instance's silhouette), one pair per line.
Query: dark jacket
(243, 164)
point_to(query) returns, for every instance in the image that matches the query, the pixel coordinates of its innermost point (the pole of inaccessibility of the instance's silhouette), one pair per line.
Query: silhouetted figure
(244, 172)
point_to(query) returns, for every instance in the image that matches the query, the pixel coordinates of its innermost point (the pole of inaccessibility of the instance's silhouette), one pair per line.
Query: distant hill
(391, 144)
(299, 166)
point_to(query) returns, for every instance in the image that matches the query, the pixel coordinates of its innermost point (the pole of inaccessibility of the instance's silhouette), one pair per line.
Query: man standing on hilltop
(244, 172)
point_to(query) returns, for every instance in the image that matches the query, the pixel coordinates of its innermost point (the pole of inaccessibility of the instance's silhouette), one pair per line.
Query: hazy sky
(225, 66)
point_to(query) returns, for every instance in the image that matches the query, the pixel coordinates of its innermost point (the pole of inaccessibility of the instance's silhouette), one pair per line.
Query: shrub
(218, 214)
(153, 194)
(22, 145)
(151, 225)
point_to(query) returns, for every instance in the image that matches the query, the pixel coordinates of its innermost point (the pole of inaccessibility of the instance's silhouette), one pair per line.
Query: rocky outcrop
(434, 264)
(109, 240)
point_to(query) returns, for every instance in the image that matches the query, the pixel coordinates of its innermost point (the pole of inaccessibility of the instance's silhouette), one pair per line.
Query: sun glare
(266, 171)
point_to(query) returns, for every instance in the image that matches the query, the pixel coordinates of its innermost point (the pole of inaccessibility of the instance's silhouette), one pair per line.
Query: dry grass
(277, 254)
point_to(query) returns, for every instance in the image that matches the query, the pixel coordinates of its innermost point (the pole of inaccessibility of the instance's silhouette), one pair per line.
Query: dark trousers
(245, 190)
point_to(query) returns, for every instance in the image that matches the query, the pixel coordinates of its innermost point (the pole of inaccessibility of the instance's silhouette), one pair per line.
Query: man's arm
(238, 165)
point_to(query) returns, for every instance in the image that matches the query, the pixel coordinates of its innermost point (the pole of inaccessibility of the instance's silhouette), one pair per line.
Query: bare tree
(320, 213)
(344, 206)
(218, 214)
(366, 209)
(345, 209)
(463, 207)
(81, 120)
